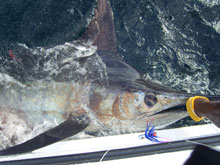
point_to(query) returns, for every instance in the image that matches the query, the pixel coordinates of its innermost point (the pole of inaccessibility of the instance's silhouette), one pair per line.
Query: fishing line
(215, 128)
(104, 155)
(106, 152)
(195, 142)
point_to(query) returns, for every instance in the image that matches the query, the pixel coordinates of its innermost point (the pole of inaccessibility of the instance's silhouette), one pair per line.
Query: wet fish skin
(81, 78)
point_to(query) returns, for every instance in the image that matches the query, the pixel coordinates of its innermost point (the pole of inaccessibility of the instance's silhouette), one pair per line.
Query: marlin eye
(150, 100)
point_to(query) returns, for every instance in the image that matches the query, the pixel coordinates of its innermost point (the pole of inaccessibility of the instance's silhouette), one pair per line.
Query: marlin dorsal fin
(101, 30)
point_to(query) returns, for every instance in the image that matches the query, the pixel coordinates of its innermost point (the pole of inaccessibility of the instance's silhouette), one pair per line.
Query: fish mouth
(164, 103)
(174, 101)
(179, 108)
(162, 118)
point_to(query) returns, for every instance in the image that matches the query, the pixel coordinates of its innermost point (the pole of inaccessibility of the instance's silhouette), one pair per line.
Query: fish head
(143, 106)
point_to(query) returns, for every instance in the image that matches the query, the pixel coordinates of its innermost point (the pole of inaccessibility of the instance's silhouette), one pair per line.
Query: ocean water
(173, 42)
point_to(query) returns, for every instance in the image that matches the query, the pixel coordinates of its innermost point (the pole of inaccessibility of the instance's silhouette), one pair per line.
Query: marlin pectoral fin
(68, 128)
(101, 29)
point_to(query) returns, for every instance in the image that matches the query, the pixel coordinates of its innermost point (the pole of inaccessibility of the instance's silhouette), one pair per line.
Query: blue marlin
(50, 94)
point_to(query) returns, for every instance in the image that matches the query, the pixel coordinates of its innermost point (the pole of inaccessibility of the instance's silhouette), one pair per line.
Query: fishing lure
(151, 134)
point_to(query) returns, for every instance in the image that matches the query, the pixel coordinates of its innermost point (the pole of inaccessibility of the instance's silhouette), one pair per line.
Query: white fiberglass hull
(103, 148)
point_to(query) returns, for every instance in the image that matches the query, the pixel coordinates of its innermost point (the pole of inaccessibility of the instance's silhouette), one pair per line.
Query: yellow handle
(191, 108)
